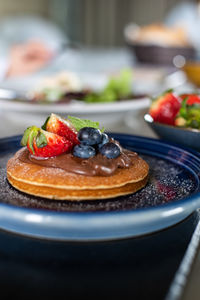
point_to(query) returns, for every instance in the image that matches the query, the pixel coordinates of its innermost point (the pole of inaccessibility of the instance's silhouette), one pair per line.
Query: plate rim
(76, 107)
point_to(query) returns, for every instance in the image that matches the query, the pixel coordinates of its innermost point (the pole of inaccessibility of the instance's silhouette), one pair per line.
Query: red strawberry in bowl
(45, 144)
(191, 98)
(62, 127)
(165, 108)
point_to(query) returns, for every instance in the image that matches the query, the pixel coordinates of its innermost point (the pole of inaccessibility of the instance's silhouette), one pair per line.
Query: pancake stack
(58, 184)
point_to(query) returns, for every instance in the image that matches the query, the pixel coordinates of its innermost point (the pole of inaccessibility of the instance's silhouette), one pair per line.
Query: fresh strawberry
(191, 98)
(62, 127)
(165, 108)
(45, 144)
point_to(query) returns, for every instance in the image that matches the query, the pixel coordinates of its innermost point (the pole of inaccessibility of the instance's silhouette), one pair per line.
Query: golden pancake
(58, 184)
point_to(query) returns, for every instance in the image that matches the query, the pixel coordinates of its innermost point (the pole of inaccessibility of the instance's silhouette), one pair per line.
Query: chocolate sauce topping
(97, 165)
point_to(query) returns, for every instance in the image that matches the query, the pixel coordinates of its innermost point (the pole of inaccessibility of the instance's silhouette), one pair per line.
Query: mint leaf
(80, 123)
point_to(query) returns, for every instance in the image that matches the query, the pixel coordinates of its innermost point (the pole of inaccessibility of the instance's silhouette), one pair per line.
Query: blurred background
(75, 46)
(92, 22)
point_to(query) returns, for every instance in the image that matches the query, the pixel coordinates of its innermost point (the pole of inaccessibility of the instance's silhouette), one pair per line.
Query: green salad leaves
(190, 114)
(118, 87)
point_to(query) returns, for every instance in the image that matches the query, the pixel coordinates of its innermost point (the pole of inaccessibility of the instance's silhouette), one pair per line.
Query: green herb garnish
(80, 123)
(190, 113)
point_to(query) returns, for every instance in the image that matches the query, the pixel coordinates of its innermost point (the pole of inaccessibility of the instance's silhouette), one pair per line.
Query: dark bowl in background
(155, 54)
(188, 137)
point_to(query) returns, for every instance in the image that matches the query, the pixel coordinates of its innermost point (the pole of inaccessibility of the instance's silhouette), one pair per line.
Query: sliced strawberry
(56, 144)
(62, 127)
(191, 98)
(165, 108)
(45, 144)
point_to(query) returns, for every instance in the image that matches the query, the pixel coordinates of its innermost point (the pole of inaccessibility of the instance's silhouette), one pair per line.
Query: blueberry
(84, 151)
(89, 136)
(110, 150)
(104, 140)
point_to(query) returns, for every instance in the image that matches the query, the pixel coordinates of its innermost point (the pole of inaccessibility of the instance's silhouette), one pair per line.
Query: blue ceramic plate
(172, 193)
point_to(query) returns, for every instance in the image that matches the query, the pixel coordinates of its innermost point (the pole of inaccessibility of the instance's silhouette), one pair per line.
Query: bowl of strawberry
(176, 118)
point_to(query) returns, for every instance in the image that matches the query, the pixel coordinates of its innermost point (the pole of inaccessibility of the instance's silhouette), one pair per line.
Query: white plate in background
(20, 113)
